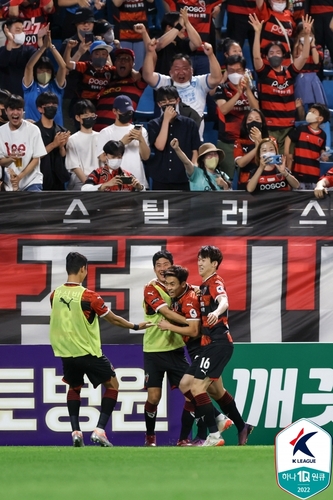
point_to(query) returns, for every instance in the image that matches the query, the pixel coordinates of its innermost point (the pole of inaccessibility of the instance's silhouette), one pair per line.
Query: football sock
(73, 405)
(108, 403)
(204, 408)
(187, 420)
(229, 408)
(202, 429)
(150, 418)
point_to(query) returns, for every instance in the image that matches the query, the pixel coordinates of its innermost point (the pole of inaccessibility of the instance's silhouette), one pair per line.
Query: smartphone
(275, 160)
(137, 126)
(89, 37)
(126, 180)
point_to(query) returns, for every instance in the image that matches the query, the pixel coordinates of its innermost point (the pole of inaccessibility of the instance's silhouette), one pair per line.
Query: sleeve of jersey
(238, 150)
(329, 177)
(80, 66)
(191, 309)
(96, 302)
(216, 288)
(263, 13)
(153, 298)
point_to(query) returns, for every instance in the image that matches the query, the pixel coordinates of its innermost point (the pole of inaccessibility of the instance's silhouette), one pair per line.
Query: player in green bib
(75, 337)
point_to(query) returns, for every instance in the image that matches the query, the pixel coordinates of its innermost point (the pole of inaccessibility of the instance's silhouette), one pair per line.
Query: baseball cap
(99, 44)
(84, 16)
(123, 104)
(101, 27)
(129, 52)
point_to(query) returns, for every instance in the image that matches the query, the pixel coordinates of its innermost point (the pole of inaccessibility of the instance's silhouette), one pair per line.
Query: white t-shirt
(81, 152)
(131, 160)
(26, 141)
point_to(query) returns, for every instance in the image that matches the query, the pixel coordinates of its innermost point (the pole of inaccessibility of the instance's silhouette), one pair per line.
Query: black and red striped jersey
(212, 288)
(93, 80)
(270, 180)
(126, 16)
(104, 174)
(321, 7)
(153, 300)
(329, 177)
(91, 303)
(310, 66)
(309, 144)
(298, 10)
(229, 124)
(242, 7)
(276, 95)
(242, 148)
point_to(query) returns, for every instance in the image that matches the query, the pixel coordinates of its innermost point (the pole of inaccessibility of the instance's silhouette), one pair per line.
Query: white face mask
(278, 7)
(311, 117)
(301, 40)
(19, 38)
(114, 164)
(109, 36)
(181, 85)
(235, 78)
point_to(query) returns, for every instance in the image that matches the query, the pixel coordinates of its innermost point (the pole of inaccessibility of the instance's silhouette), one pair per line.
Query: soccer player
(75, 337)
(185, 301)
(217, 351)
(163, 350)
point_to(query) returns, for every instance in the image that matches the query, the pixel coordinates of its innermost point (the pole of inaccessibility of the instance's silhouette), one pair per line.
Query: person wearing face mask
(252, 130)
(207, 174)
(310, 144)
(55, 174)
(111, 177)
(14, 56)
(276, 82)
(270, 176)
(308, 87)
(39, 76)
(81, 149)
(134, 139)
(233, 98)
(278, 24)
(96, 74)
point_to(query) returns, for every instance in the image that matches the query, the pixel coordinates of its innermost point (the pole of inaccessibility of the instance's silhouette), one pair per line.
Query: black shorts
(98, 370)
(174, 363)
(212, 360)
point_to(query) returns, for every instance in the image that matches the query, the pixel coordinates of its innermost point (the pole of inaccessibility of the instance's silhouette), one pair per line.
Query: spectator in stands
(104, 30)
(96, 73)
(308, 87)
(310, 145)
(207, 174)
(237, 21)
(4, 96)
(134, 138)
(39, 76)
(324, 182)
(35, 17)
(270, 175)
(14, 56)
(253, 129)
(165, 168)
(278, 25)
(74, 15)
(81, 155)
(192, 89)
(55, 174)
(233, 98)
(125, 80)
(276, 82)
(21, 147)
(322, 13)
(229, 48)
(111, 177)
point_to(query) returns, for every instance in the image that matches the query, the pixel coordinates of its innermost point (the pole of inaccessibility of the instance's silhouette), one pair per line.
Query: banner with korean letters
(274, 385)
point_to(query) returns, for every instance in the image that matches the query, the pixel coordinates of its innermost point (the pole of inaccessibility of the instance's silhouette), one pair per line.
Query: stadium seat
(325, 166)
(328, 89)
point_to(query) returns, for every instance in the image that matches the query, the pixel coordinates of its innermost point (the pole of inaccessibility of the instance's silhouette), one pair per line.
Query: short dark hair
(167, 92)
(114, 148)
(187, 58)
(273, 44)
(74, 262)
(10, 21)
(231, 60)
(84, 106)
(162, 254)
(227, 43)
(44, 62)
(4, 96)
(169, 19)
(179, 272)
(15, 102)
(322, 110)
(46, 98)
(212, 253)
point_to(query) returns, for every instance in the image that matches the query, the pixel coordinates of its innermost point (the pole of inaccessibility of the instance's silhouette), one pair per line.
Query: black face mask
(50, 112)
(275, 61)
(125, 117)
(163, 108)
(88, 122)
(250, 125)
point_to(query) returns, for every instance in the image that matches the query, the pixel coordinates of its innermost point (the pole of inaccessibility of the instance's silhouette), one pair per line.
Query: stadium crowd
(76, 78)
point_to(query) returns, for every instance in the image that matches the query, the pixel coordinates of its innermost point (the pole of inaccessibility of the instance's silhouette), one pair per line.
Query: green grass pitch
(161, 473)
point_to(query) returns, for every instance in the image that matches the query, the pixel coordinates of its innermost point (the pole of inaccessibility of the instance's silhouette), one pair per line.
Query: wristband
(135, 327)
(178, 27)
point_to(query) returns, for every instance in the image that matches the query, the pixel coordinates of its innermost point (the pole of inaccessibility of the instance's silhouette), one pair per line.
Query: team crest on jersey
(193, 313)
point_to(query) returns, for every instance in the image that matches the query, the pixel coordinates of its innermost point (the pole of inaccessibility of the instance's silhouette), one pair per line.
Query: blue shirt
(30, 95)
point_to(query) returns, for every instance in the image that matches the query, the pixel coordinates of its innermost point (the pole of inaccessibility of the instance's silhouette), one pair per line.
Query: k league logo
(303, 459)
